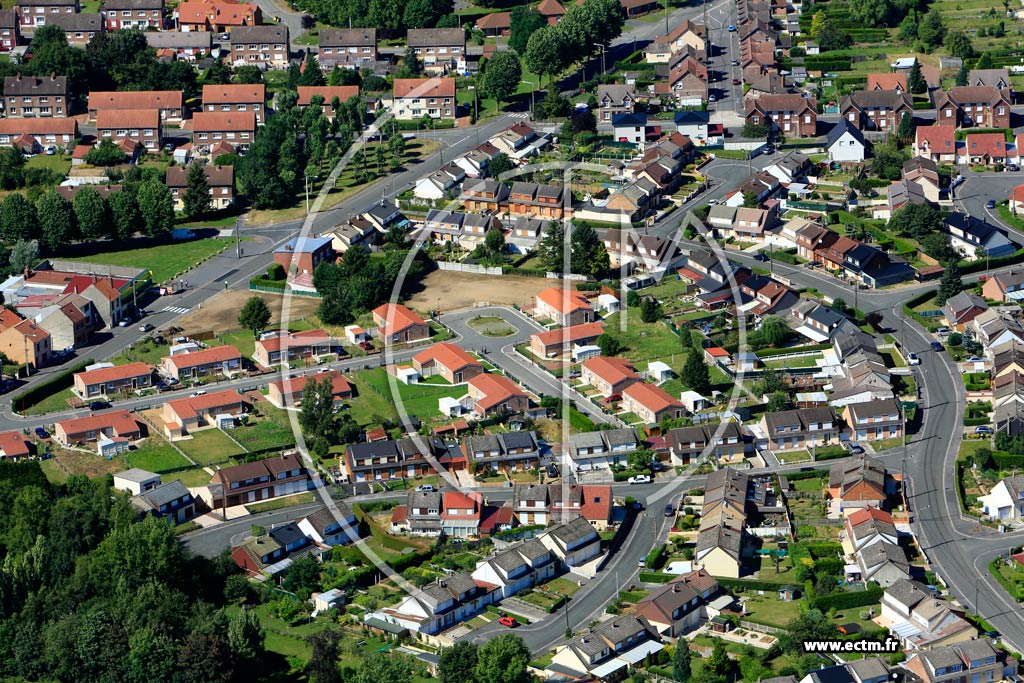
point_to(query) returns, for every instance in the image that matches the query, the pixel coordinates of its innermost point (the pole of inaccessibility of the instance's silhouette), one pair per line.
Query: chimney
(53, 75)
(19, 76)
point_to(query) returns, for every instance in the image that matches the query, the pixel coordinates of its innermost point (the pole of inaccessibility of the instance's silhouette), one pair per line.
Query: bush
(656, 558)
(276, 272)
(847, 600)
(55, 384)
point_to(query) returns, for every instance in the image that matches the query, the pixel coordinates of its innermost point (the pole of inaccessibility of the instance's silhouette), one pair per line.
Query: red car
(507, 622)
(366, 346)
(735, 81)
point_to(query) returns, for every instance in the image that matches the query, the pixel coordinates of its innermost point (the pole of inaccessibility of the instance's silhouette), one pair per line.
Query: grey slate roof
(164, 494)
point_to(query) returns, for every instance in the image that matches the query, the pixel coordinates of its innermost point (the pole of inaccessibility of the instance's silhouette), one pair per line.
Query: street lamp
(476, 114)
(602, 49)
(306, 184)
(532, 91)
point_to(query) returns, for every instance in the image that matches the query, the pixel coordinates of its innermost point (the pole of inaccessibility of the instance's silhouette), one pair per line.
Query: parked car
(201, 392)
(640, 479)
(1013, 168)
(424, 488)
(712, 98)
(912, 359)
(162, 386)
(642, 564)
(990, 204)
(735, 81)
(732, 29)
(145, 328)
(974, 359)
(983, 429)
(366, 346)
(937, 346)
(855, 448)
(614, 398)
(735, 62)
(42, 433)
(763, 258)
(98, 405)
(508, 622)
(670, 510)
(942, 331)
(125, 323)
(552, 471)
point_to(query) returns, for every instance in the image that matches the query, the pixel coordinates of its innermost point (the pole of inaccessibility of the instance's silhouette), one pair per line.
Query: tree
(546, 53)
(18, 218)
(504, 658)
(125, 217)
(681, 661)
(384, 668)
(502, 75)
(411, 63)
(12, 168)
(248, 74)
(812, 625)
(609, 344)
(916, 220)
(870, 12)
(984, 62)
(589, 255)
(317, 414)
(246, 638)
(107, 153)
(959, 44)
(695, 373)
(962, 74)
(774, 330)
(494, 242)
(650, 309)
(56, 220)
(156, 207)
(255, 315)
(818, 22)
(718, 662)
(499, 164)
(905, 131)
(997, 32)
(311, 72)
(750, 199)
(197, 199)
(91, 213)
(302, 577)
(950, 285)
(931, 30)
(915, 80)
(778, 401)
(24, 255)
(908, 27)
(323, 662)
(833, 38)
(551, 250)
(755, 130)
(396, 146)
(458, 663)
(937, 246)
(525, 21)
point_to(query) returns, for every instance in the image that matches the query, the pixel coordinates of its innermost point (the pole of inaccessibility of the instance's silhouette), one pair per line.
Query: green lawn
(376, 400)
(192, 478)
(210, 446)
(645, 341)
(53, 472)
(144, 351)
(264, 434)
(241, 340)
(51, 404)
(156, 455)
(768, 609)
(165, 261)
(278, 503)
(55, 162)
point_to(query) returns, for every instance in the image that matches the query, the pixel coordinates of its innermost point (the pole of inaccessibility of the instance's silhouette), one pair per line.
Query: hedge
(518, 532)
(1007, 461)
(767, 353)
(656, 558)
(847, 600)
(810, 474)
(57, 383)
(975, 421)
(993, 263)
(658, 577)
(753, 584)
(268, 283)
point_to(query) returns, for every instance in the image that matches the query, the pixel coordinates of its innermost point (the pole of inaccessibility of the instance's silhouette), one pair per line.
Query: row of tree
(584, 30)
(389, 16)
(358, 283)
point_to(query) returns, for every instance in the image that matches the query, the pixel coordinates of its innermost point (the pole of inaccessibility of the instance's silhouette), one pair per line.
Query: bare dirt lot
(463, 290)
(220, 312)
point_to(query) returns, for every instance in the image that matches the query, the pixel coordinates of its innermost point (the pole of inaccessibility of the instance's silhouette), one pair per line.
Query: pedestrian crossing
(520, 115)
(176, 309)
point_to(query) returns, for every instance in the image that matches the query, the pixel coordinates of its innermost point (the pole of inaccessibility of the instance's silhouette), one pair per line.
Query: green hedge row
(993, 263)
(847, 600)
(1007, 461)
(657, 577)
(57, 383)
(268, 283)
(518, 532)
(656, 558)
(763, 353)
(752, 584)
(810, 474)
(826, 63)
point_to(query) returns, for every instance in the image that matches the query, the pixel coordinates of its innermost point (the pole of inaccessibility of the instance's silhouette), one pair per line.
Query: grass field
(51, 404)
(491, 326)
(376, 401)
(156, 456)
(192, 478)
(165, 260)
(209, 446)
(645, 341)
(264, 434)
(768, 609)
(55, 162)
(278, 503)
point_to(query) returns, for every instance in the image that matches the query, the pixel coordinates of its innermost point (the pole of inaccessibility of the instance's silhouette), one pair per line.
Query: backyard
(210, 446)
(376, 401)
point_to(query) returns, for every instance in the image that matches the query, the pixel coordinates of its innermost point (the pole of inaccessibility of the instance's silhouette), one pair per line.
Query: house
(792, 115)
(460, 514)
(984, 149)
(14, 445)
(630, 128)
(331, 525)
(396, 324)
(516, 568)
(438, 48)
(993, 78)
(262, 46)
(556, 342)
(114, 423)
(25, 342)
(552, 10)
(967, 106)
(925, 174)
(651, 403)
(303, 254)
(953, 662)
(874, 420)
(518, 141)
(995, 329)
(34, 13)
(449, 361)
(170, 103)
(139, 126)
(846, 144)
(803, 428)
(491, 394)
(575, 542)
(686, 35)
(693, 124)
(888, 81)
(591, 503)
(614, 99)
(184, 415)
(140, 14)
(818, 321)
(1005, 501)
(609, 649)
(720, 548)
(36, 96)
(866, 526)
(171, 500)
(678, 607)
(351, 48)
(210, 129)
(329, 94)
(976, 238)
(564, 307)
(920, 619)
(135, 481)
(414, 98)
(389, 459)
(602, 449)
(79, 28)
(547, 202)
(936, 142)
(884, 563)
(230, 97)
(858, 483)
(495, 24)
(255, 481)
(441, 183)
(961, 309)
(1005, 286)
(687, 444)
(791, 167)
(879, 110)
(436, 607)
(281, 348)
(113, 380)
(219, 17)
(288, 392)
(609, 376)
(215, 360)
(220, 179)
(182, 45)
(10, 30)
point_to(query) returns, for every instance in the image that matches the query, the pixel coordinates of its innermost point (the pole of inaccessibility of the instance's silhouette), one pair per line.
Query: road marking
(176, 309)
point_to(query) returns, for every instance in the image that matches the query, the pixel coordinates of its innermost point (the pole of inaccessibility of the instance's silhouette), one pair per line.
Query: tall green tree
(959, 44)
(695, 373)
(681, 659)
(156, 206)
(311, 74)
(499, 164)
(950, 285)
(650, 310)
(905, 131)
(125, 217)
(962, 74)
(24, 255)
(504, 658)
(91, 213)
(589, 255)
(501, 78)
(551, 249)
(384, 668)
(870, 13)
(932, 31)
(915, 80)
(246, 638)
(197, 200)
(458, 663)
(774, 330)
(12, 168)
(56, 220)
(255, 315)
(524, 22)
(547, 52)
(325, 649)
(18, 218)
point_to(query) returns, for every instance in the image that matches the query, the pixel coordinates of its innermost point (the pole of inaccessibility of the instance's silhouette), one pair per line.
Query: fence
(469, 268)
(274, 290)
(761, 628)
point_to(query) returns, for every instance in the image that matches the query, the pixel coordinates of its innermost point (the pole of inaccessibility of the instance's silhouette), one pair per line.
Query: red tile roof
(217, 354)
(397, 317)
(220, 13)
(611, 370)
(290, 385)
(295, 339)
(887, 81)
(1017, 194)
(121, 421)
(9, 318)
(716, 352)
(495, 20)
(496, 389)
(860, 516)
(114, 373)
(13, 444)
(136, 99)
(551, 8)
(448, 355)
(940, 139)
(651, 397)
(564, 300)
(992, 145)
(570, 334)
(597, 503)
(113, 119)
(424, 87)
(213, 121)
(233, 93)
(190, 407)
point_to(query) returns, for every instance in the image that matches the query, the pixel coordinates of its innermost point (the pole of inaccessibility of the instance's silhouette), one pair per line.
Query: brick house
(236, 128)
(965, 106)
(396, 324)
(221, 180)
(180, 44)
(415, 97)
(792, 115)
(328, 93)
(792, 430)
(287, 392)
(116, 423)
(35, 13)
(79, 28)
(608, 375)
(438, 48)
(651, 403)
(184, 415)
(35, 96)
(281, 348)
(264, 46)
(255, 481)
(874, 420)
(449, 361)
(936, 143)
(26, 343)
(880, 110)
(539, 201)
(233, 97)
(138, 125)
(614, 99)
(216, 360)
(304, 254)
(346, 47)
(564, 307)
(492, 394)
(29, 135)
(170, 103)
(217, 16)
(141, 14)
(556, 342)
(10, 30)
(888, 81)
(114, 380)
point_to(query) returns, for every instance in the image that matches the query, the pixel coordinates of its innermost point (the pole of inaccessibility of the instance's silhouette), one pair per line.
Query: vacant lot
(453, 291)
(209, 446)
(156, 455)
(165, 260)
(220, 312)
